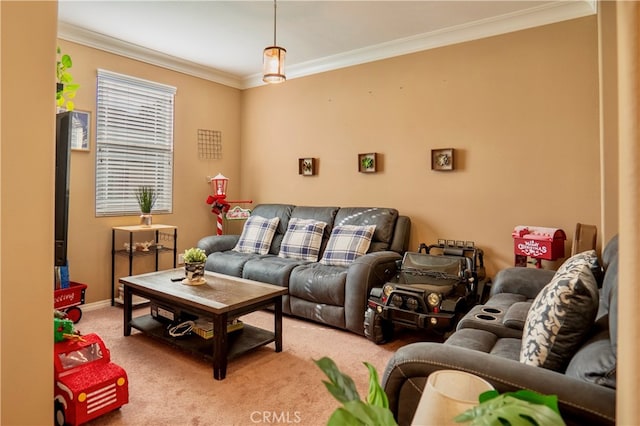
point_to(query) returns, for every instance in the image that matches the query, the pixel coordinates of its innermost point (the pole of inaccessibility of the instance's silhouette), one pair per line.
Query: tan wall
(199, 104)
(609, 118)
(521, 111)
(27, 126)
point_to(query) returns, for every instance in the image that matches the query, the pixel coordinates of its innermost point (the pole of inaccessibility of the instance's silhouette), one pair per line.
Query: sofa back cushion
(384, 220)
(562, 315)
(596, 361)
(320, 214)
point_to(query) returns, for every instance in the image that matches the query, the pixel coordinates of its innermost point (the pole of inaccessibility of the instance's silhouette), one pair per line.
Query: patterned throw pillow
(302, 239)
(347, 242)
(257, 235)
(561, 315)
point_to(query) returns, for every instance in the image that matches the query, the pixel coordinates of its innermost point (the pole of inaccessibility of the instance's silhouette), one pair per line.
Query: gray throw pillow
(561, 315)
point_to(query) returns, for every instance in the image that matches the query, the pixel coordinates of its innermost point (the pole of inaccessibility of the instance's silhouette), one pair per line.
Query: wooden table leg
(278, 323)
(127, 309)
(220, 343)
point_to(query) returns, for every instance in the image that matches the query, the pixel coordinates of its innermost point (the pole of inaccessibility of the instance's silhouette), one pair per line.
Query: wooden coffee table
(221, 298)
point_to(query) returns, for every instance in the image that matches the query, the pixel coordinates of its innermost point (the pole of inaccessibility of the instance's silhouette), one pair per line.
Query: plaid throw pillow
(302, 239)
(347, 242)
(257, 235)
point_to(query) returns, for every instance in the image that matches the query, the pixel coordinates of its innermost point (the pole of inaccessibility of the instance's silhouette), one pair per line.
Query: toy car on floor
(86, 383)
(429, 292)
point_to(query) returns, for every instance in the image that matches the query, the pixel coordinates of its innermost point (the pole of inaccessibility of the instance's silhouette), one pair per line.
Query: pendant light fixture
(273, 58)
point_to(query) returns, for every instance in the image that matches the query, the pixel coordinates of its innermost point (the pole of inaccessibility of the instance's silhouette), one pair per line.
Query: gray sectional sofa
(506, 342)
(331, 294)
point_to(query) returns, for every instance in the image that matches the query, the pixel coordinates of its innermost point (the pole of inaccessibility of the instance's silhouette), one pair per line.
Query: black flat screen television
(63, 148)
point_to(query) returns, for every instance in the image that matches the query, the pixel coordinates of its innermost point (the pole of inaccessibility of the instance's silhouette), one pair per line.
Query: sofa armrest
(525, 281)
(407, 371)
(214, 243)
(371, 270)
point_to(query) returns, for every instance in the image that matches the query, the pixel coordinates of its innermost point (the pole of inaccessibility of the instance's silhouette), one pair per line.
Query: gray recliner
(490, 347)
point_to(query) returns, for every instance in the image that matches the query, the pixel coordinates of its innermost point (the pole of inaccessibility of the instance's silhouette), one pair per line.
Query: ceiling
(223, 40)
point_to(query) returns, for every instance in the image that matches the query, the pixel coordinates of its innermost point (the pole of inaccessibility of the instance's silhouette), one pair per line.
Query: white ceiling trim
(542, 15)
(99, 41)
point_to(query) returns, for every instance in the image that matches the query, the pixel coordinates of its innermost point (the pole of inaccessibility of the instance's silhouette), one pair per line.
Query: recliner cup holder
(491, 310)
(486, 317)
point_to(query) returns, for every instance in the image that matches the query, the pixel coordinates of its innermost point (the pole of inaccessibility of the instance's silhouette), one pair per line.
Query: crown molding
(541, 15)
(129, 50)
(533, 17)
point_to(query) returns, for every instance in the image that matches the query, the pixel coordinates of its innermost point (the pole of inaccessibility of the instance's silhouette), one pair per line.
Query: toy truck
(430, 291)
(86, 383)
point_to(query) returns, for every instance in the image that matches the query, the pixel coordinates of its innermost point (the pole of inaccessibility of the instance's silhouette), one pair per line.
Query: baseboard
(96, 305)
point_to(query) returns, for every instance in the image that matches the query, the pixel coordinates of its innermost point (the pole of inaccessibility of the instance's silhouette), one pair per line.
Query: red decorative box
(538, 242)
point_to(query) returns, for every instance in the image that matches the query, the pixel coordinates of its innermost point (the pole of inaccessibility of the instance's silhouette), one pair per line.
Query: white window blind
(134, 143)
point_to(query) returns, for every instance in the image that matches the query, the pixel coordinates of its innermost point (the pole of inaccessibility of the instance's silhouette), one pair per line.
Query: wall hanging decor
(368, 163)
(442, 159)
(209, 144)
(307, 166)
(80, 130)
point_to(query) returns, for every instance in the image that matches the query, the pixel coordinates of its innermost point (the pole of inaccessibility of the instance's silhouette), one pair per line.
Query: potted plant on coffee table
(194, 259)
(146, 196)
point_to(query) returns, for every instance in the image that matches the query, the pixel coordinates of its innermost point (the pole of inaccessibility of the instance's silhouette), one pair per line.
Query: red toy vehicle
(86, 383)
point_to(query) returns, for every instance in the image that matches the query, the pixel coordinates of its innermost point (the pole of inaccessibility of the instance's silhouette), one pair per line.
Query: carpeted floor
(170, 387)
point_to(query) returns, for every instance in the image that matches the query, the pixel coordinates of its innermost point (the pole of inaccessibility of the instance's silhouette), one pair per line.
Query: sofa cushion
(595, 361)
(516, 315)
(228, 262)
(562, 314)
(302, 239)
(347, 242)
(256, 235)
(384, 220)
(319, 284)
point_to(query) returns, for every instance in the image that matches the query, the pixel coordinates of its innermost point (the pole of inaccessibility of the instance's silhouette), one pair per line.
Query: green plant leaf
(359, 413)
(340, 386)
(376, 395)
(506, 409)
(66, 61)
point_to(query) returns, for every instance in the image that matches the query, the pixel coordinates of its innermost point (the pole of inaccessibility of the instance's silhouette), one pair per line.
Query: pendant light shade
(273, 64)
(273, 58)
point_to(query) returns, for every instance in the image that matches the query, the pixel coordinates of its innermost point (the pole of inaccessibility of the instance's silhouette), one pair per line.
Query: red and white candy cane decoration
(218, 202)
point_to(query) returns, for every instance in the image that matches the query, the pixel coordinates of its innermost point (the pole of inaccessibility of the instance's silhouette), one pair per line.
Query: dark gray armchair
(586, 386)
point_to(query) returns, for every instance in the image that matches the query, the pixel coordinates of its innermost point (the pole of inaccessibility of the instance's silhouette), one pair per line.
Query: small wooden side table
(157, 229)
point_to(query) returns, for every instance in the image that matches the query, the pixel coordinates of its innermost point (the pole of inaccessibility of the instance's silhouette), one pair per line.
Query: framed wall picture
(368, 163)
(442, 159)
(306, 166)
(80, 130)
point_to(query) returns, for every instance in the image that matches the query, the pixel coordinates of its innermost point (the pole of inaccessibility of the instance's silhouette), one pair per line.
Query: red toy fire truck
(86, 383)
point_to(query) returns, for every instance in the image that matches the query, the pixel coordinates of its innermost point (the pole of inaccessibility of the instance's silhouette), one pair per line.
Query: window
(134, 143)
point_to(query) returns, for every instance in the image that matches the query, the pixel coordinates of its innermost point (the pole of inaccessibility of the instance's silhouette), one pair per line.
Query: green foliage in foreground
(355, 412)
(521, 408)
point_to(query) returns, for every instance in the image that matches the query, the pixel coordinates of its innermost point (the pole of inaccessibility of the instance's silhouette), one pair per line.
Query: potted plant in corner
(65, 87)
(146, 196)
(194, 259)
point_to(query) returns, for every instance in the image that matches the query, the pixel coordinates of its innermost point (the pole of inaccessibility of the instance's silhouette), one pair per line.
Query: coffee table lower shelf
(239, 341)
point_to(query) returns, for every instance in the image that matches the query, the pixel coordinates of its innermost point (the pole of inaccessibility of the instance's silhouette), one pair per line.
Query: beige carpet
(170, 387)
